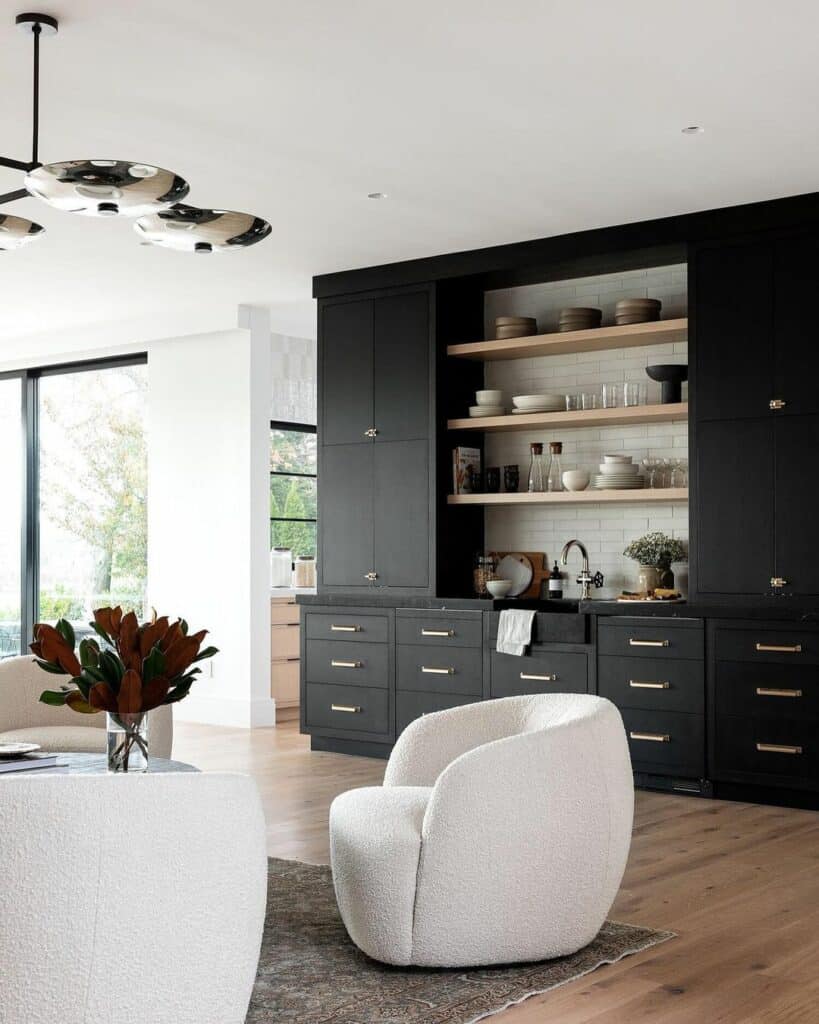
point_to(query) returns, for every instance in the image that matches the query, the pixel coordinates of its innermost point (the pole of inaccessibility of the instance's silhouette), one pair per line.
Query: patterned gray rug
(310, 972)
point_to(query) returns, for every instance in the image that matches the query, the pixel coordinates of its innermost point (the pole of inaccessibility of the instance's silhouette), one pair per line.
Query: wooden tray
(540, 569)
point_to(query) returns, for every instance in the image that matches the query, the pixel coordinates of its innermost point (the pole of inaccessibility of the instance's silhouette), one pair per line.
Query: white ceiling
(485, 121)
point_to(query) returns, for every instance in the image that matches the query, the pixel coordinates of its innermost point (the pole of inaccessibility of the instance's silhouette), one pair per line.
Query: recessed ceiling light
(376, 195)
(693, 129)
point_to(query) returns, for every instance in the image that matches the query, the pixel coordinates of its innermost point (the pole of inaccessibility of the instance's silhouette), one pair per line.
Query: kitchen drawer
(353, 664)
(347, 708)
(766, 689)
(652, 683)
(737, 743)
(284, 641)
(549, 627)
(368, 629)
(666, 742)
(649, 638)
(284, 612)
(541, 671)
(783, 646)
(410, 706)
(457, 670)
(284, 681)
(437, 630)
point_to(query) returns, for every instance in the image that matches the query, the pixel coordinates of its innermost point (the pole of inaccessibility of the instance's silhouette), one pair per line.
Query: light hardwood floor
(738, 883)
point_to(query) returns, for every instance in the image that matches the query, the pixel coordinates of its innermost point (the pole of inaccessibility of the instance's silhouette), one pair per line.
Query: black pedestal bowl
(671, 376)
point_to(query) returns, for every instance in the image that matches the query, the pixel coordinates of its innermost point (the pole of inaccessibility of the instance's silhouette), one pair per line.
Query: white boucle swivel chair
(130, 898)
(500, 834)
(24, 719)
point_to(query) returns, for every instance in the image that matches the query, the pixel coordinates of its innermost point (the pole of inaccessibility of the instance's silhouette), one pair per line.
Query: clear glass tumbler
(612, 396)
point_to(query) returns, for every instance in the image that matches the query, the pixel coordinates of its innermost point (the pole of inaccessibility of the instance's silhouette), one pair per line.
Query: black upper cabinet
(345, 487)
(796, 345)
(797, 504)
(346, 372)
(401, 371)
(733, 321)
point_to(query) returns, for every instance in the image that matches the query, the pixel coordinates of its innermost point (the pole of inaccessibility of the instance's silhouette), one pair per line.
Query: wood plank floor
(738, 883)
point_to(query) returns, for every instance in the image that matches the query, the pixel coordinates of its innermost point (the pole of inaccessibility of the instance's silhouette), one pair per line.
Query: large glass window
(11, 514)
(293, 487)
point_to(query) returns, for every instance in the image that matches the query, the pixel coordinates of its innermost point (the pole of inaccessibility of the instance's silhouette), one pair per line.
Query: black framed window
(73, 475)
(293, 455)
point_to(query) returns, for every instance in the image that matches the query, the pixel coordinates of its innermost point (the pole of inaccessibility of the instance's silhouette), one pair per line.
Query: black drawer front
(648, 638)
(458, 670)
(767, 749)
(368, 629)
(538, 672)
(652, 683)
(778, 646)
(352, 664)
(435, 631)
(549, 628)
(666, 742)
(347, 708)
(410, 706)
(768, 690)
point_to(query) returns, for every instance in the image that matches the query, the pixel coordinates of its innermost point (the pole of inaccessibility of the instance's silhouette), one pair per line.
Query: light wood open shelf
(581, 418)
(645, 494)
(598, 339)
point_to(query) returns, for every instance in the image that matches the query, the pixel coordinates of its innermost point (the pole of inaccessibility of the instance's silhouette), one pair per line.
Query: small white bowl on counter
(498, 588)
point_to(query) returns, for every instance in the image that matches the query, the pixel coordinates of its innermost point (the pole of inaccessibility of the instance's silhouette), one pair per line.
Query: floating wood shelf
(641, 495)
(581, 418)
(657, 332)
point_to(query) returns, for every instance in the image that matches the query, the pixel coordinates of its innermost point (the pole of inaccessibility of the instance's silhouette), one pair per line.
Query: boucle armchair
(24, 719)
(130, 898)
(500, 834)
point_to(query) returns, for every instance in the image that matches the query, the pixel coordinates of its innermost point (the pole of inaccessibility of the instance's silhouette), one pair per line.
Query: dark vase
(511, 479)
(666, 577)
(492, 480)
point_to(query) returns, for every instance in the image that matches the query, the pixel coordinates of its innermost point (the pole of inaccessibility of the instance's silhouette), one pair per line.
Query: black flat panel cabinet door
(733, 325)
(402, 526)
(735, 514)
(345, 490)
(796, 333)
(346, 372)
(797, 504)
(401, 371)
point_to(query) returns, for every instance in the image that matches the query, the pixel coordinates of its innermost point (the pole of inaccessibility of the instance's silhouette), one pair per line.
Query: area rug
(310, 972)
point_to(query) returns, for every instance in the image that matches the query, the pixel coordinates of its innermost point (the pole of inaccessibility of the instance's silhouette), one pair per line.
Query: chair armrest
(21, 683)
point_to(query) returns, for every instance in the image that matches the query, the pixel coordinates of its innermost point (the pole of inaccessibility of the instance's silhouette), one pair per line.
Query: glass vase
(128, 742)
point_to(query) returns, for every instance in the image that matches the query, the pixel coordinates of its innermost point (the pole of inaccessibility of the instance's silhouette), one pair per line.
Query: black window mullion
(30, 597)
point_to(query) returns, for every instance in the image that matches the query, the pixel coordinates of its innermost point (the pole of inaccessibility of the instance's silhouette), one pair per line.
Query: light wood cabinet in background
(284, 656)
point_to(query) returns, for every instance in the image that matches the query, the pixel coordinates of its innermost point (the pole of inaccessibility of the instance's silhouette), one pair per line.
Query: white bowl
(498, 588)
(619, 468)
(618, 458)
(576, 479)
(489, 397)
(486, 410)
(538, 402)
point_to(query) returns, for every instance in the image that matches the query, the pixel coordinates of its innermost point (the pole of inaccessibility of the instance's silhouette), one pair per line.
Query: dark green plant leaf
(183, 625)
(153, 665)
(49, 666)
(178, 692)
(101, 633)
(56, 698)
(89, 653)
(206, 652)
(66, 631)
(112, 669)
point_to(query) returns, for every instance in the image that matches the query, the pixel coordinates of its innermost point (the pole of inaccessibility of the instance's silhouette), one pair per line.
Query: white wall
(604, 529)
(209, 402)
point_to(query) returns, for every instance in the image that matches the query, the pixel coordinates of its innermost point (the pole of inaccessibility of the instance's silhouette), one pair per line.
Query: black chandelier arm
(11, 197)
(18, 165)
(36, 31)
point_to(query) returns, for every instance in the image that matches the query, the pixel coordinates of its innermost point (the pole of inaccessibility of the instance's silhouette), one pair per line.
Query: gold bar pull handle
(345, 629)
(778, 748)
(647, 643)
(769, 691)
(437, 632)
(347, 708)
(345, 664)
(777, 582)
(438, 671)
(539, 679)
(637, 684)
(780, 648)
(776, 404)
(651, 737)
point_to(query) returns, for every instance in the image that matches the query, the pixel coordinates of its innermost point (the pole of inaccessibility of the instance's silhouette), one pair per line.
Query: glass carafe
(537, 476)
(554, 480)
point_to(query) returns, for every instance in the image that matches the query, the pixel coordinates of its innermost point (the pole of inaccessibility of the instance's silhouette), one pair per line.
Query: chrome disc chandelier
(118, 188)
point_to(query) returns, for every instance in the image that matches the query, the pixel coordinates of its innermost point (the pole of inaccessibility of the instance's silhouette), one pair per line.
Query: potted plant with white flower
(654, 553)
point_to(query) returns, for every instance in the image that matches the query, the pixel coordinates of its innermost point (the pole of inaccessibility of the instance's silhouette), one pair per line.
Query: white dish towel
(514, 631)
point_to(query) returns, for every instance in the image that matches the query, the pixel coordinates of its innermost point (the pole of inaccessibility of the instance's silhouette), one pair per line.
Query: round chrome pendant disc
(15, 232)
(105, 188)
(191, 229)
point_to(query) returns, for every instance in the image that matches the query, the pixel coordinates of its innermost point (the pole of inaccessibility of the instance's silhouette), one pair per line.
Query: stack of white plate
(538, 403)
(618, 473)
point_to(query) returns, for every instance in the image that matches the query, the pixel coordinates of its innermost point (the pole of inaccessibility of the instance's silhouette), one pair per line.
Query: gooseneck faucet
(585, 579)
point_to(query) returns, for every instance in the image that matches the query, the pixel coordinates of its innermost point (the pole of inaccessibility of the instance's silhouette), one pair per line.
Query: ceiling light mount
(693, 129)
(34, 24)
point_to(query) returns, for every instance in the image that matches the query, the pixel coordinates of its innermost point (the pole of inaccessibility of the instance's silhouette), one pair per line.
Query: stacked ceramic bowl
(514, 326)
(618, 473)
(538, 403)
(637, 311)
(490, 403)
(579, 318)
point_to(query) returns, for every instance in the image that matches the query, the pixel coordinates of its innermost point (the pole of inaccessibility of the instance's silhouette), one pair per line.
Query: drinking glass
(650, 466)
(590, 400)
(663, 473)
(678, 473)
(572, 403)
(612, 396)
(634, 393)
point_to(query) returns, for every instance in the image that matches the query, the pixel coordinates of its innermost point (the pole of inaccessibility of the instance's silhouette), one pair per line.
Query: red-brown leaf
(104, 618)
(154, 693)
(174, 632)
(54, 648)
(130, 693)
(101, 696)
(77, 702)
(151, 634)
(128, 640)
(181, 654)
